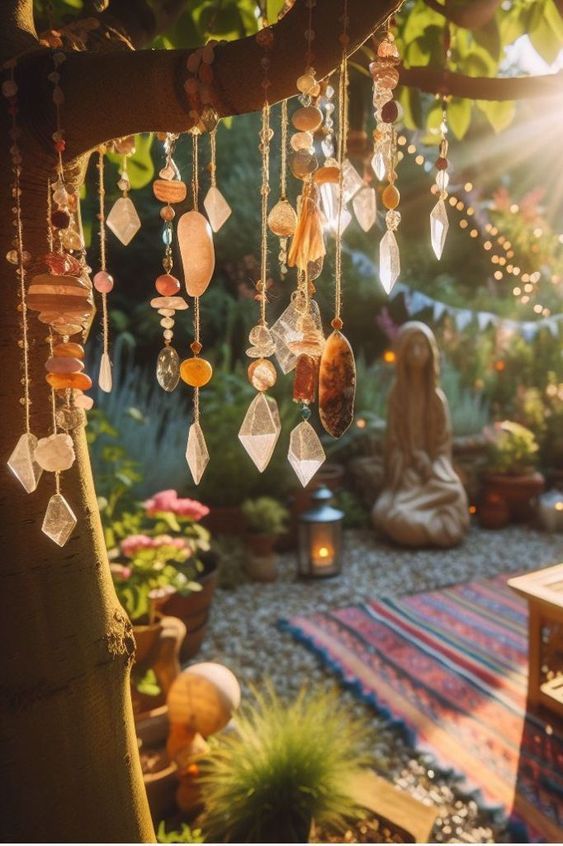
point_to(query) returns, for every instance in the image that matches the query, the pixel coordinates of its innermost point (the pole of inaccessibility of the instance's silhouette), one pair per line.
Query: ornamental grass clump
(281, 767)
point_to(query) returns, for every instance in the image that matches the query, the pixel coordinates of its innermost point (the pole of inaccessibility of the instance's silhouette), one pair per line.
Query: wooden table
(543, 590)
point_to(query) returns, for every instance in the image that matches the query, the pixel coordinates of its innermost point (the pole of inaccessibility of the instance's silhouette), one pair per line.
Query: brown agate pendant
(305, 381)
(337, 385)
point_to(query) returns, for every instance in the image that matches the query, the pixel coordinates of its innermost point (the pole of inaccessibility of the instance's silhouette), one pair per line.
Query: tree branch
(17, 27)
(113, 94)
(482, 88)
(472, 15)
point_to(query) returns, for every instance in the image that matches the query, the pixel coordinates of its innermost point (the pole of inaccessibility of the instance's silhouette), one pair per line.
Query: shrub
(265, 516)
(512, 448)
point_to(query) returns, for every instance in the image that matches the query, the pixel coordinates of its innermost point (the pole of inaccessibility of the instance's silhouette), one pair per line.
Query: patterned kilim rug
(450, 667)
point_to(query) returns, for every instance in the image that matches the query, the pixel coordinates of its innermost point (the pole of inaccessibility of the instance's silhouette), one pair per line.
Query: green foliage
(469, 409)
(281, 766)
(140, 167)
(265, 516)
(185, 834)
(355, 515)
(512, 448)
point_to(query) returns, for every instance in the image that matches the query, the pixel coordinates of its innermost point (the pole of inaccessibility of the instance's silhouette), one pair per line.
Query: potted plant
(266, 520)
(510, 470)
(281, 767)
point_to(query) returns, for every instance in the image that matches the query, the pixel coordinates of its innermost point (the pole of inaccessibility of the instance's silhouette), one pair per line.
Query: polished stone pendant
(337, 385)
(217, 208)
(306, 453)
(105, 381)
(439, 226)
(197, 454)
(22, 462)
(260, 430)
(59, 520)
(123, 220)
(168, 368)
(197, 251)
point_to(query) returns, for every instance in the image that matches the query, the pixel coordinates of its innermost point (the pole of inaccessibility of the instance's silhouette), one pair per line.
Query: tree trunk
(69, 766)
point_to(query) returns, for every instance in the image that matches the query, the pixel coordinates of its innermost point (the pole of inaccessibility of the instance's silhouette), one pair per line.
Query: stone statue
(423, 502)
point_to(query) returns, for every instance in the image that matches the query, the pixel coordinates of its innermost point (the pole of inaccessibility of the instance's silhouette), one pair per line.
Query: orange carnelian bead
(390, 197)
(69, 380)
(69, 349)
(196, 372)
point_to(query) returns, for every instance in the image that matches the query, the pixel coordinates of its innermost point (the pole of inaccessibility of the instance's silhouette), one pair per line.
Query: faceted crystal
(345, 220)
(104, 375)
(379, 163)
(439, 227)
(168, 368)
(197, 455)
(351, 180)
(22, 462)
(306, 453)
(329, 203)
(260, 430)
(389, 261)
(59, 520)
(262, 342)
(123, 220)
(288, 329)
(365, 208)
(217, 208)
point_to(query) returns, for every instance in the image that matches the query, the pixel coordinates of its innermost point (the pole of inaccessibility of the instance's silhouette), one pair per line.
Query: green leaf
(545, 40)
(273, 8)
(488, 37)
(554, 19)
(499, 114)
(459, 116)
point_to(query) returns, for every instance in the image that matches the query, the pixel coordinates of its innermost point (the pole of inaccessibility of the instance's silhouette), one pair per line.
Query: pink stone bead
(63, 364)
(167, 285)
(103, 282)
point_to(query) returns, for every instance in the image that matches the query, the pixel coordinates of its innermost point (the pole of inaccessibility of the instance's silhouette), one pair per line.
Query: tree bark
(69, 766)
(480, 87)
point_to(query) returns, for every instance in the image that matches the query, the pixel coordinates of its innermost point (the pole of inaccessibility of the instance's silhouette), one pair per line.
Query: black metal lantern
(320, 538)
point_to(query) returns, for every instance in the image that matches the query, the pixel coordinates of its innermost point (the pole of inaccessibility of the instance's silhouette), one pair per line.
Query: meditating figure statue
(423, 502)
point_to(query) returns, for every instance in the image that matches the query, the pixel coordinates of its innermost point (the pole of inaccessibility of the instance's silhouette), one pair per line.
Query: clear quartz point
(105, 380)
(22, 463)
(439, 226)
(351, 180)
(168, 368)
(123, 220)
(306, 453)
(389, 261)
(197, 455)
(59, 520)
(379, 163)
(287, 330)
(365, 207)
(260, 430)
(217, 208)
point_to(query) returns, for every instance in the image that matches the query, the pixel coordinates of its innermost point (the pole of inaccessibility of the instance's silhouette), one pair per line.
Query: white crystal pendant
(123, 220)
(439, 226)
(22, 462)
(287, 329)
(168, 368)
(217, 208)
(365, 207)
(379, 164)
(260, 430)
(389, 261)
(306, 453)
(197, 455)
(104, 376)
(59, 520)
(351, 180)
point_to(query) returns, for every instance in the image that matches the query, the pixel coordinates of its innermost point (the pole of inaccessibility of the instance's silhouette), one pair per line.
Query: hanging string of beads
(439, 216)
(216, 207)
(282, 219)
(103, 281)
(123, 219)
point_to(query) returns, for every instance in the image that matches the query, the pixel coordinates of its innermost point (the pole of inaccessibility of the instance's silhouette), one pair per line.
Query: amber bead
(196, 372)
(307, 119)
(70, 349)
(327, 174)
(389, 112)
(441, 163)
(305, 381)
(64, 364)
(336, 323)
(195, 347)
(58, 381)
(390, 197)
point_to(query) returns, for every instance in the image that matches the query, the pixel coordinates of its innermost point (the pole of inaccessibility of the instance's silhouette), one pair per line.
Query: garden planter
(194, 610)
(493, 512)
(261, 563)
(518, 491)
(161, 782)
(157, 648)
(225, 520)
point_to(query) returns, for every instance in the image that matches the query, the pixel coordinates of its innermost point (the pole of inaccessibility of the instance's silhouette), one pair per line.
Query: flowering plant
(155, 551)
(512, 448)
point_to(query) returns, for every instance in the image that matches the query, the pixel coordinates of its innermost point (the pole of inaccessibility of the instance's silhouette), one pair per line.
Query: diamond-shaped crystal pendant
(364, 204)
(260, 430)
(306, 453)
(59, 520)
(217, 208)
(287, 329)
(123, 220)
(104, 376)
(197, 455)
(439, 226)
(389, 261)
(351, 180)
(22, 464)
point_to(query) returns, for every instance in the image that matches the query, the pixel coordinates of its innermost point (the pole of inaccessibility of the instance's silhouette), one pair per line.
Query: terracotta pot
(146, 640)
(262, 568)
(225, 520)
(493, 512)
(261, 545)
(193, 610)
(518, 492)
(161, 782)
(151, 727)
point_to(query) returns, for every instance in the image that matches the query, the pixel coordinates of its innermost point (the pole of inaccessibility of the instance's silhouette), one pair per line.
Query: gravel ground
(243, 636)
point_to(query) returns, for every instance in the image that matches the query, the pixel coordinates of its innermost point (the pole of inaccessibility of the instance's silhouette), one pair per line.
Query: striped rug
(450, 667)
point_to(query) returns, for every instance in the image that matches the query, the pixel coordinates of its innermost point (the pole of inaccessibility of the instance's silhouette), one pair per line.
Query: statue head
(417, 354)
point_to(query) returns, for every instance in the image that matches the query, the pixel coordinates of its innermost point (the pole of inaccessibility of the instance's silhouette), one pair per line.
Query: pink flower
(120, 572)
(134, 543)
(169, 501)
(168, 540)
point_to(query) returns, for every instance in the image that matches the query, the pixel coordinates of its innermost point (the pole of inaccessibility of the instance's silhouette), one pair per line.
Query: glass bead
(168, 368)
(442, 180)
(167, 285)
(63, 264)
(262, 374)
(103, 282)
(196, 372)
(390, 197)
